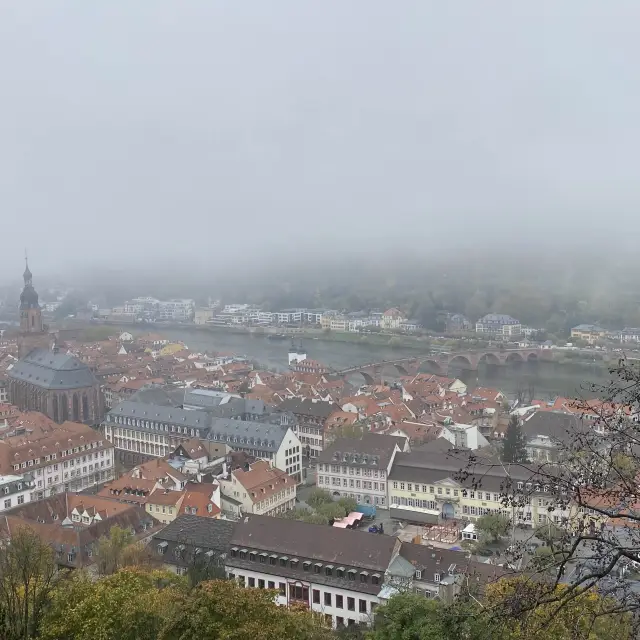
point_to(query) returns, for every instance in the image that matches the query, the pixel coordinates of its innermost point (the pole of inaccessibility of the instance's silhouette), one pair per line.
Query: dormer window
(436, 577)
(418, 574)
(162, 548)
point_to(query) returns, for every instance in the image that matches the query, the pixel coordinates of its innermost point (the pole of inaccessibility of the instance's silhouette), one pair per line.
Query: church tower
(33, 333)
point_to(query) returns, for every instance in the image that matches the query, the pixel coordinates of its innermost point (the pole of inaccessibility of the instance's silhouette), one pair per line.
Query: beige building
(392, 319)
(259, 489)
(590, 333)
(201, 316)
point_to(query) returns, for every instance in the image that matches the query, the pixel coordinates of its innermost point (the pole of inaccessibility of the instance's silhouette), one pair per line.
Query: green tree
(494, 525)
(331, 510)
(315, 518)
(522, 608)
(226, 610)
(129, 605)
(348, 504)
(28, 576)
(514, 446)
(117, 550)
(318, 497)
(408, 616)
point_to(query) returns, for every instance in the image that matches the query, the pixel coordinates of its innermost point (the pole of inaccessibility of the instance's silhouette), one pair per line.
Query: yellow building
(418, 492)
(164, 506)
(590, 333)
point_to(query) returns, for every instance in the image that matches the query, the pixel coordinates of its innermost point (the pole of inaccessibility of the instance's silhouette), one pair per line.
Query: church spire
(27, 272)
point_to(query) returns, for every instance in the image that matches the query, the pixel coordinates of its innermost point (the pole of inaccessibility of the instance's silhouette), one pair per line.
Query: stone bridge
(439, 362)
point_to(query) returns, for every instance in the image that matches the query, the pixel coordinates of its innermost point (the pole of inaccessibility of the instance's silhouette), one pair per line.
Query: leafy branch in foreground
(586, 496)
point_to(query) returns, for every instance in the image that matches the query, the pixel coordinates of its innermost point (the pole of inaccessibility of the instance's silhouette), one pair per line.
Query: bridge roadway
(469, 359)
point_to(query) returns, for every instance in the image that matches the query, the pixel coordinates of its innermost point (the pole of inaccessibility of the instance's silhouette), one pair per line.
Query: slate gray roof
(350, 548)
(48, 370)
(208, 533)
(429, 467)
(160, 413)
(375, 447)
(205, 398)
(558, 426)
(308, 407)
(430, 561)
(239, 407)
(161, 395)
(193, 533)
(248, 434)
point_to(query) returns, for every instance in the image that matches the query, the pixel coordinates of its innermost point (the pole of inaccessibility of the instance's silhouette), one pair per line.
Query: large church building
(45, 380)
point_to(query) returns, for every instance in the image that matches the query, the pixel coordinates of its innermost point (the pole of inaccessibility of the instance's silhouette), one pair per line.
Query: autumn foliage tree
(28, 578)
(227, 610)
(588, 489)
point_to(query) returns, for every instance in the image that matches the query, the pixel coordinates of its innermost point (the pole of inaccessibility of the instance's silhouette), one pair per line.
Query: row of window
(141, 435)
(357, 484)
(8, 503)
(53, 456)
(328, 570)
(300, 593)
(336, 468)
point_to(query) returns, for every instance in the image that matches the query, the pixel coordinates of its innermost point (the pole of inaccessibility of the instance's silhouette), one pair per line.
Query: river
(548, 379)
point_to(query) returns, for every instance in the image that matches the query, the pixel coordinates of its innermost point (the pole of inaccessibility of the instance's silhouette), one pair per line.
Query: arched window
(76, 408)
(85, 408)
(56, 414)
(64, 414)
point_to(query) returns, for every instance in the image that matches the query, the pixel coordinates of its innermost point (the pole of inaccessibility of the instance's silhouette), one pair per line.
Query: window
(316, 596)
(375, 579)
(306, 566)
(260, 583)
(252, 582)
(327, 598)
(272, 560)
(340, 573)
(362, 606)
(436, 578)
(418, 574)
(20, 499)
(364, 577)
(339, 601)
(328, 571)
(282, 588)
(352, 575)
(271, 584)
(316, 567)
(294, 564)
(252, 556)
(7, 504)
(351, 604)
(339, 621)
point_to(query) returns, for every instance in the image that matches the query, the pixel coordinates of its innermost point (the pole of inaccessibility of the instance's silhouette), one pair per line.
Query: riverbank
(588, 361)
(418, 343)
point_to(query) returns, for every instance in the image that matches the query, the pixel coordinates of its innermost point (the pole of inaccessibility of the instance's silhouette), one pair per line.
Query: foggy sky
(158, 130)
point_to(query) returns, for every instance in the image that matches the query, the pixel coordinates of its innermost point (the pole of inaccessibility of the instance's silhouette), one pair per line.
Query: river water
(548, 379)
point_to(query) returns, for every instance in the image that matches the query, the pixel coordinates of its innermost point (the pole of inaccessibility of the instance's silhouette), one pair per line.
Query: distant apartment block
(499, 326)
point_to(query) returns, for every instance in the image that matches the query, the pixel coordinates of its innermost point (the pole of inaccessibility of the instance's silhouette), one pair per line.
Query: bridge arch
(393, 369)
(362, 377)
(432, 365)
(532, 357)
(461, 361)
(515, 356)
(489, 358)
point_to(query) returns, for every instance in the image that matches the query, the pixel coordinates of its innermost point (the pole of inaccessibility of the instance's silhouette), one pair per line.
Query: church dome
(29, 298)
